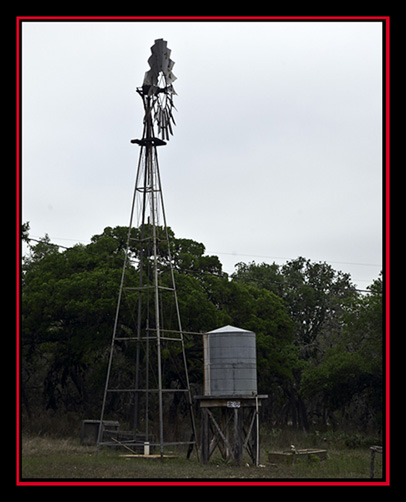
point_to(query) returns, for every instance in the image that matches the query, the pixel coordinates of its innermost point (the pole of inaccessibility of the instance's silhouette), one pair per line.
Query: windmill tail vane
(160, 61)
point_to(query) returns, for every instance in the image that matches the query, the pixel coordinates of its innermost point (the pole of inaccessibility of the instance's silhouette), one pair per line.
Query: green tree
(319, 343)
(68, 304)
(69, 301)
(313, 294)
(350, 376)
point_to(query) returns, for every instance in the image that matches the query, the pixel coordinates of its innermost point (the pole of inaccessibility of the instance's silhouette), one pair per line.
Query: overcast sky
(277, 151)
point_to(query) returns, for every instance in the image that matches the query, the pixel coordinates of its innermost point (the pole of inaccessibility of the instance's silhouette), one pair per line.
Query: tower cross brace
(147, 313)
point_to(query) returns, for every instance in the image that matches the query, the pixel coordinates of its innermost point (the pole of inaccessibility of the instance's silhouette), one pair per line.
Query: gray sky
(277, 152)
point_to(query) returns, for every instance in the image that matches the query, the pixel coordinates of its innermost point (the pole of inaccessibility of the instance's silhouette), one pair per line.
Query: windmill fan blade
(163, 124)
(171, 117)
(158, 87)
(170, 127)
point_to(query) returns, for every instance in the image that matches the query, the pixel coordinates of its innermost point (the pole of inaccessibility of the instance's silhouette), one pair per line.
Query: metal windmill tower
(147, 363)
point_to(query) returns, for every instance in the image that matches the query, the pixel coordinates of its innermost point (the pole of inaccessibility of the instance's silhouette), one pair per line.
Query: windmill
(147, 361)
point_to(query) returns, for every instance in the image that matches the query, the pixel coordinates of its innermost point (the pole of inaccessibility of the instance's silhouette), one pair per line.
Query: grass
(47, 458)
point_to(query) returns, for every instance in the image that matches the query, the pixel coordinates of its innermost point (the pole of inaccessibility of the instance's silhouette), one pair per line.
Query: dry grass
(61, 459)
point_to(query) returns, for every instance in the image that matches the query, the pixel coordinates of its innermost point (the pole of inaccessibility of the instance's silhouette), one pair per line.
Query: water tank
(230, 363)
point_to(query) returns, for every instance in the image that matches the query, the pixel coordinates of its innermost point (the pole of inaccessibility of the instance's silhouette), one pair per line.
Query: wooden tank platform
(231, 424)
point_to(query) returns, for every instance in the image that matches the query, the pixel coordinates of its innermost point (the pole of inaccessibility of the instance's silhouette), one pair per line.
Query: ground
(45, 458)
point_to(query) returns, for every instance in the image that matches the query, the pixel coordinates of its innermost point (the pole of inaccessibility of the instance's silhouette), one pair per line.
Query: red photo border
(385, 20)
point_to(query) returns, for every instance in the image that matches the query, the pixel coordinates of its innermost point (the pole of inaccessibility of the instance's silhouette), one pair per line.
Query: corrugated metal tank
(230, 363)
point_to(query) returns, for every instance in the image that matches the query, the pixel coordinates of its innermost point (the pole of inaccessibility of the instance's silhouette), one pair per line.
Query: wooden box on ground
(90, 430)
(294, 455)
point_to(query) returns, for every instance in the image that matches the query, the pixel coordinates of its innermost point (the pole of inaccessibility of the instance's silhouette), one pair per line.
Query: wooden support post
(237, 454)
(372, 472)
(205, 436)
(249, 445)
(374, 450)
(255, 443)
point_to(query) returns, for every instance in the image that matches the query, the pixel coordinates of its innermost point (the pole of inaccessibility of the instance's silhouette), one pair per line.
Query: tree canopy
(319, 342)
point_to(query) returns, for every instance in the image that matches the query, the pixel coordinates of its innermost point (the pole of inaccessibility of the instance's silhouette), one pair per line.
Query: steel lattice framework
(147, 360)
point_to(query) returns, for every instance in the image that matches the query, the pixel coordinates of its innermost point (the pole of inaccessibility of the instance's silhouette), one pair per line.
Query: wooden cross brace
(215, 434)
